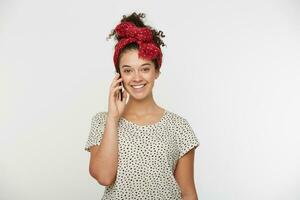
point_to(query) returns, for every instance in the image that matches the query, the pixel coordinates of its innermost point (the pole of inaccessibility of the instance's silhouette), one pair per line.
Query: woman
(138, 149)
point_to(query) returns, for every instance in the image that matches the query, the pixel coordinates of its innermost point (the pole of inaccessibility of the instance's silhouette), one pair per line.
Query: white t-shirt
(147, 156)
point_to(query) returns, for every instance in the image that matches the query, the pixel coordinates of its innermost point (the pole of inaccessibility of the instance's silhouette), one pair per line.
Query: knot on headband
(128, 29)
(129, 32)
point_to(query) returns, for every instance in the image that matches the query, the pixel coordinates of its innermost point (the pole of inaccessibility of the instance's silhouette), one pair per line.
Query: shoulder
(99, 117)
(176, 118)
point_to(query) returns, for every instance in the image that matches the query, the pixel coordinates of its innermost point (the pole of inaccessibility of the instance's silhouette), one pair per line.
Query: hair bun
(137, 20)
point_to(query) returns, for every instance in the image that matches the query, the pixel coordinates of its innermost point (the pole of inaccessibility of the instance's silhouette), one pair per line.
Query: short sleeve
(96, 130)
(187, 139)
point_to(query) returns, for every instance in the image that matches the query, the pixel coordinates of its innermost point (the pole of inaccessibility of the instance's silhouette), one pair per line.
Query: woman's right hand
(115, 105)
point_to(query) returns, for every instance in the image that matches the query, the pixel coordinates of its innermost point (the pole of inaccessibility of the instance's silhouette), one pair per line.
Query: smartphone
(121, 92)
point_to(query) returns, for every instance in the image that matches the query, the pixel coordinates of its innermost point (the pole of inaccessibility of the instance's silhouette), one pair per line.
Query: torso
(150, 118)
(148, 155)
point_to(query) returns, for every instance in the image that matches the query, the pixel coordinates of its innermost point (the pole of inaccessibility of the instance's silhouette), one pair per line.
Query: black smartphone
(121, 92)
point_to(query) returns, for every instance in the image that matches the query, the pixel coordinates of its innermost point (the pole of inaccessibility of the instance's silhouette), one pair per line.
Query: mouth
(138, 88)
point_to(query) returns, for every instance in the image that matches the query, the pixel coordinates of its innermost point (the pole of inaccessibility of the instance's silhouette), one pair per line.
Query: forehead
(130, 58)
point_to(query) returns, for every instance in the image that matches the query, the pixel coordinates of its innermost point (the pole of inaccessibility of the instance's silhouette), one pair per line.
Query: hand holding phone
(117, 98)
(120, 84)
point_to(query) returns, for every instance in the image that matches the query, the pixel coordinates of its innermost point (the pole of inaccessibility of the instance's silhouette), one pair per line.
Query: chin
(139, 95)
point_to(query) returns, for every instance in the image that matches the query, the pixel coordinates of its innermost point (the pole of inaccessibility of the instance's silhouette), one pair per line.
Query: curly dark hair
(138, 21)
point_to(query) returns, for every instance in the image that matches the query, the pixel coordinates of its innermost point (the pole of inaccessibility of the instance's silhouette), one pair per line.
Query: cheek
(150, 77)
(125, 78)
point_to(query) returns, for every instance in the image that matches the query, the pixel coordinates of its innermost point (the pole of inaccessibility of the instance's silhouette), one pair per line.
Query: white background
(231, 68)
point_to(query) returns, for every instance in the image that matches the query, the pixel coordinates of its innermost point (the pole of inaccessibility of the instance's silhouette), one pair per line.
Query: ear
(157, 73)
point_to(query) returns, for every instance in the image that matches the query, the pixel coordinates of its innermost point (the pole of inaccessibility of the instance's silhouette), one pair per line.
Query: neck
(141, 107)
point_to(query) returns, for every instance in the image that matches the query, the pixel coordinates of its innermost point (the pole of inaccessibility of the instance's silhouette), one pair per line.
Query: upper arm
(94, 139)
(187, 142)
(96, 131)
(184, 174)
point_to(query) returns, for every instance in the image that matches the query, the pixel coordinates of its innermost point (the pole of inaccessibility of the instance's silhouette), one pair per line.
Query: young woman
(138, 149)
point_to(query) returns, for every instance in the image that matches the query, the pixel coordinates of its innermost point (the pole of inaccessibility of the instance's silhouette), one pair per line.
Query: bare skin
(104, 157)
(141, 109)
(184, 175)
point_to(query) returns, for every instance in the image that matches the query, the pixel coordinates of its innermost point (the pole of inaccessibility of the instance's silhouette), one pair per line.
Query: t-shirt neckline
(146, 125)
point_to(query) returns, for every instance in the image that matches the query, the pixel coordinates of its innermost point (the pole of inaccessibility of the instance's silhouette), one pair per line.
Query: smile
(138, 86)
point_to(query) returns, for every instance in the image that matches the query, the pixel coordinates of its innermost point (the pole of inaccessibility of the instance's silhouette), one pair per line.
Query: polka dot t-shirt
(147, 156)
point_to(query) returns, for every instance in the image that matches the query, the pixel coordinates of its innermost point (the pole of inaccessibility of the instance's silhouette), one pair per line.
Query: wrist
(113, 118)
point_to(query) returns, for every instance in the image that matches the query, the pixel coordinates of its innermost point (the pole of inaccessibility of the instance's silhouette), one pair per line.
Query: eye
(126, 70)
(146, 69)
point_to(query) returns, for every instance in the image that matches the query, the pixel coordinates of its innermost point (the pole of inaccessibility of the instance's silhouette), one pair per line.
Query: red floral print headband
(129, 32)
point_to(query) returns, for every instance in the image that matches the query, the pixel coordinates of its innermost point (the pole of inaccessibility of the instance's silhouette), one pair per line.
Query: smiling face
(138, 74)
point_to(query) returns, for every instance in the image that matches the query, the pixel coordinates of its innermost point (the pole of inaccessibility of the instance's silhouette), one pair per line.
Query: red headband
(129, 32)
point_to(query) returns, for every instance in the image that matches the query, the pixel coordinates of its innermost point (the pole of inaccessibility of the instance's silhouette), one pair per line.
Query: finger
(117, 75)
(116, 89)
(117, 82)
(125, 95)
(113, 90)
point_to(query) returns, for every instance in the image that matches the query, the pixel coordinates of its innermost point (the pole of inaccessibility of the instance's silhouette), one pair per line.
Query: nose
(137, 77)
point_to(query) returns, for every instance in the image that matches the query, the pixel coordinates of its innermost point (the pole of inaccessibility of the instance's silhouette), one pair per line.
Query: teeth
(138, 86)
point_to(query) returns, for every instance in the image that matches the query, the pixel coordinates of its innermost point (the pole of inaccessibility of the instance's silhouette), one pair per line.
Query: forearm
(106, 161)
(190, 197)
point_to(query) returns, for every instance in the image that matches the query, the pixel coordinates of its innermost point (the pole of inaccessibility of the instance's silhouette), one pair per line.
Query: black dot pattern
(147, 156)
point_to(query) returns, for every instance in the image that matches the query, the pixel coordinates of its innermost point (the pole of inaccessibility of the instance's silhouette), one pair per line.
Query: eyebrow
(130, 66)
